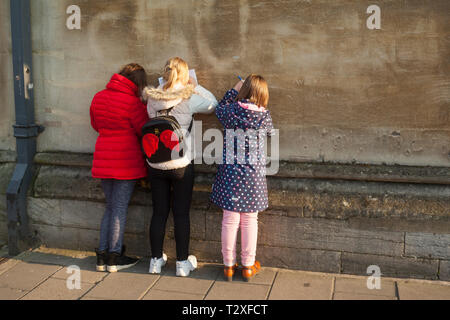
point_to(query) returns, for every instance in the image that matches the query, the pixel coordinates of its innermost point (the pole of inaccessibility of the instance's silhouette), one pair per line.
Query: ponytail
(175, 71)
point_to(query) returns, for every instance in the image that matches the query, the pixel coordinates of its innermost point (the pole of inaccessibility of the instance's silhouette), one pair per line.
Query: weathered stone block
(302, 259)
(137, 244)
(364, 172)
(66, 238)
(88, 215)
(67, 182)
(6, 171)
(427, 245)
(339, 199)
(64, 159)
(398, 224)
(3, 208)
(204, 250)
(444, 270)
(85, 239)
(326, 234)
(198, 228)
(390, 266)
(7, 156)
(77, 183)
(3, 231)
(44, 211)
(213, 225)
(82, 214)
(315, 233)
(200, 198)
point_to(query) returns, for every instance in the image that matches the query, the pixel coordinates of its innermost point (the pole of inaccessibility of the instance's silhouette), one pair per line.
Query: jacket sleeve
(202, 101)
(91, 112)
(150, 111)
(138, 117)
(223, 110)
(268, 125)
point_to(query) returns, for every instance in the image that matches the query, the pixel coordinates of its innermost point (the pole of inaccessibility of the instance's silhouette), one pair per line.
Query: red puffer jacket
(118, 115)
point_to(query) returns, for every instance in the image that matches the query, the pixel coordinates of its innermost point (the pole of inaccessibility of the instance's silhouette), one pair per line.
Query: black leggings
(171, 188)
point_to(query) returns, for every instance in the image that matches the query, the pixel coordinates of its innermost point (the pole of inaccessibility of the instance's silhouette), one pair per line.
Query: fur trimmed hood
(159, 99)
(171, 94)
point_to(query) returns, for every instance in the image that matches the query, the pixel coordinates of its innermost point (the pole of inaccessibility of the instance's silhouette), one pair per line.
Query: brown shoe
(228, 272)
(250, 272)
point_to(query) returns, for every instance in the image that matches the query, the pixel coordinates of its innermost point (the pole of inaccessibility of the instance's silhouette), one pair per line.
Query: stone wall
(7, 116)
(322, 224)
(339, 92)
(7, 164)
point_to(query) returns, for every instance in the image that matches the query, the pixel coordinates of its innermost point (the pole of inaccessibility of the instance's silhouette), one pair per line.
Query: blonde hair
(255, 90)
(175, 71)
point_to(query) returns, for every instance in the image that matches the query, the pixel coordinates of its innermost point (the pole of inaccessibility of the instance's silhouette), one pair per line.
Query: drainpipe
(25, 130)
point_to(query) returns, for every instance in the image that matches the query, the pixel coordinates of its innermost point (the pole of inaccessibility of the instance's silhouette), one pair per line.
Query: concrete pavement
(48, 274)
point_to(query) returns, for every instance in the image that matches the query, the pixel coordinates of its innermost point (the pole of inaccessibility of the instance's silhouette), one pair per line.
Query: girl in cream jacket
(172, 181)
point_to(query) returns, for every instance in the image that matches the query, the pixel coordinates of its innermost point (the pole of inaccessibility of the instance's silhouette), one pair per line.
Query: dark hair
(135, 73)
(255, 90)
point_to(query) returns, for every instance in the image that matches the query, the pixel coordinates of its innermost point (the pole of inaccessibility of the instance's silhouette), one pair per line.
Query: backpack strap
(190, 126)
(167, 111)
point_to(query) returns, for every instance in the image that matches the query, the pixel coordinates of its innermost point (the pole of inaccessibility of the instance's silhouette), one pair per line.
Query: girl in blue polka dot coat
(240, 186)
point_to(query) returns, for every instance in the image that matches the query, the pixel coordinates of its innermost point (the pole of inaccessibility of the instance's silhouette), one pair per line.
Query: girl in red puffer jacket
(118, 115)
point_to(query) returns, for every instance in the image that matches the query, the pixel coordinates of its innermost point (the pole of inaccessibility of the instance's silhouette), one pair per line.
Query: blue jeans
(118, 194)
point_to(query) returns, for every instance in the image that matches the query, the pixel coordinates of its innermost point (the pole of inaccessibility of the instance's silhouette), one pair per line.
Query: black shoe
(101, 260)
(119, 261)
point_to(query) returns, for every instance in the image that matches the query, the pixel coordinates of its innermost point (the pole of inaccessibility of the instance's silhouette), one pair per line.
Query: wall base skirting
(316, 224)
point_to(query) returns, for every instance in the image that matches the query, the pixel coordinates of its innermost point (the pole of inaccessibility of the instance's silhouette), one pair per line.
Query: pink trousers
(248, 222)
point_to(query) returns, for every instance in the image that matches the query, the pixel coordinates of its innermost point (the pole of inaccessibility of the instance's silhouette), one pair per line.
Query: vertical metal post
(25, 130)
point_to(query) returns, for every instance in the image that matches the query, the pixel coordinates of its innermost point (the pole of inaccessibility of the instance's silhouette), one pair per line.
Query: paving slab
(50, 258)
(87, 270)
(184, 284)
(359, 296)
(7, 263)
(42, 274)
(414, 290)
(26, 276)
(141, 267)
(3, 250)
(297, 285)
(238, 291)
(265, 276)
(11, 294)
(56, 289)
(204, 271)
(358, 285)
(92, 298)
(155, 294)
(123, 286)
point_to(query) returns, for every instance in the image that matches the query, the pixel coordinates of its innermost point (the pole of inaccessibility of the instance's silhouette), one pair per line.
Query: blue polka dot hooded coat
(240, 184)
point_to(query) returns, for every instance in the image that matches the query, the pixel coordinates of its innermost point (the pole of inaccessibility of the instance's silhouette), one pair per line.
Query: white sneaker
(157, 264)
(186, 266)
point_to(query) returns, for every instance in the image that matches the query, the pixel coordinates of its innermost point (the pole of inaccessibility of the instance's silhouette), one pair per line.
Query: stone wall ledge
(295, 197)
(327, 171)
(7, 156)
